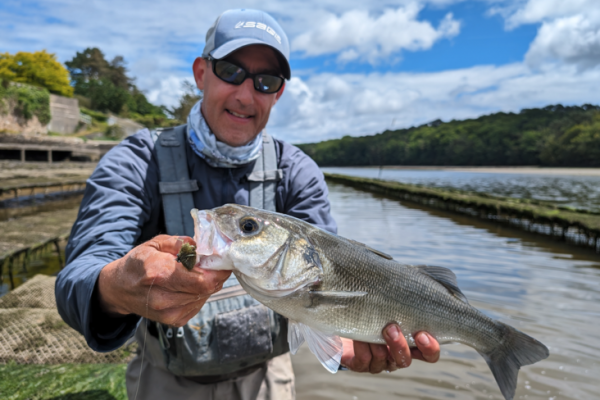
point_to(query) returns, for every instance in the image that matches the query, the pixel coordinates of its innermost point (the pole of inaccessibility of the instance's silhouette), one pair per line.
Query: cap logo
(258, 25)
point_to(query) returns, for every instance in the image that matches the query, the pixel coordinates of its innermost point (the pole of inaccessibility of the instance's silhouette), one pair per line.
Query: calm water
(542, 287)
(568, 190)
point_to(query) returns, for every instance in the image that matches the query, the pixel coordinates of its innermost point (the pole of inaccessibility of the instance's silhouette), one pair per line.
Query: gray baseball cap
(238, 28)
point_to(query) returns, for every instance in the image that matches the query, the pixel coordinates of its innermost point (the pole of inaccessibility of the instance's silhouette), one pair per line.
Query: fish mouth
(212, 245)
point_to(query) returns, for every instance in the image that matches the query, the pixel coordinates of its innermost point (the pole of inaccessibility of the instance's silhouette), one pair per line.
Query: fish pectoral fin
(330, 298)
(445, 277)
(372, 250)
(295, 336)
(327, 348)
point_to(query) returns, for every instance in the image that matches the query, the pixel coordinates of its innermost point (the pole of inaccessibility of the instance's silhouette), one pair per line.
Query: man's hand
(375, 358)
(149, 282)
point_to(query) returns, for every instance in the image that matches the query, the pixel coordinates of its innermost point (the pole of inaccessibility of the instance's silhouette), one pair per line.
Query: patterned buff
(218, 154)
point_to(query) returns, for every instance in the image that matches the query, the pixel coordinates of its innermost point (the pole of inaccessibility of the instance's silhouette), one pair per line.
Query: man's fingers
(379, 361)
(428, 349)
(398, 347)
(362, 357)
(170, 244)
(179, 279)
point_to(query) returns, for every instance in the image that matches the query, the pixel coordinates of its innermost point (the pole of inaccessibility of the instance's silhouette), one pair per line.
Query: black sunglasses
(236, 75)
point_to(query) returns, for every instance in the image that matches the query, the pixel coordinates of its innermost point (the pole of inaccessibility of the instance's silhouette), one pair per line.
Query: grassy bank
(65, 381)
(578, 226)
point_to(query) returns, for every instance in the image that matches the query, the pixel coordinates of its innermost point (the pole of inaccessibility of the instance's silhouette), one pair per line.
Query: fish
(331, 287)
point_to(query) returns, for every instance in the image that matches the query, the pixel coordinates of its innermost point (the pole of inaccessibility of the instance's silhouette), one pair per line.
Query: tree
(105, 96)
(39, 69)
(108, 86)
(190, 96)
(91, 64)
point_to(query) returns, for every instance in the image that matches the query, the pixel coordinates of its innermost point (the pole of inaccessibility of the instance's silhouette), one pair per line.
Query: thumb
(170, 244)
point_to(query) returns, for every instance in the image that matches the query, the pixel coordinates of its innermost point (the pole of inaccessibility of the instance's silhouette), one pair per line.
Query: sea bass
(331, 287)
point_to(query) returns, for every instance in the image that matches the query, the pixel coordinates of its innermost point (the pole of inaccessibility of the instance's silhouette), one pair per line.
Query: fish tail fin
(516, 349)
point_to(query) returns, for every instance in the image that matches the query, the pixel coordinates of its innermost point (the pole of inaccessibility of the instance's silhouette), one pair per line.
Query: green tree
(105, 96)
(91, 64)
(191, 95)
(108, 85)
(39, 69)
(553, 135)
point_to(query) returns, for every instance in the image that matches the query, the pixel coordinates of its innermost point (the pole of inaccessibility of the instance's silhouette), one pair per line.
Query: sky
(358, 68)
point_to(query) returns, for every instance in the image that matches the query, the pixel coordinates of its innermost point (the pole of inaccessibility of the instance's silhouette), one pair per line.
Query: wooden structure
(46, 149)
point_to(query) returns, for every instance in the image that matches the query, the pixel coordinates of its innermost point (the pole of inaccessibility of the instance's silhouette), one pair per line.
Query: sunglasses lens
(267, 83)
(229, 72)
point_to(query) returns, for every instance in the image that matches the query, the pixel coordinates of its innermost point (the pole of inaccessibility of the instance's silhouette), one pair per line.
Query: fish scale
(330, 287)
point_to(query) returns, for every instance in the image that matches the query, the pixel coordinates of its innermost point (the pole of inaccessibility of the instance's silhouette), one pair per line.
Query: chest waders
(232, 331)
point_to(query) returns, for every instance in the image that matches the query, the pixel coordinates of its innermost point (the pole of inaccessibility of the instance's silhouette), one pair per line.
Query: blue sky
(358, 67)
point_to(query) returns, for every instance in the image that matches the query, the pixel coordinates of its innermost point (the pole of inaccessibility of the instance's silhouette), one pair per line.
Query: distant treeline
(551, 136)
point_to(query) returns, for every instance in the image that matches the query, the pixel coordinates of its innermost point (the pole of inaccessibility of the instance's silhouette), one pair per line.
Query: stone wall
(65, 114)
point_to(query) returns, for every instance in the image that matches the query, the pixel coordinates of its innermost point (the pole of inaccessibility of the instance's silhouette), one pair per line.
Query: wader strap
(175, 185)
(264, 177)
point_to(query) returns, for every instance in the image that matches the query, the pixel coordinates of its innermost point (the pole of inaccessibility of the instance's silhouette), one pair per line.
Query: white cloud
(569, 31)
(160, 38)
(533, 11)
(572, 40)
(327, 106)
(357, 34)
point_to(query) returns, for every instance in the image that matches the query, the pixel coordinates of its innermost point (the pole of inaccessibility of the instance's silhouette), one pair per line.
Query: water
(567, 190)
(47, 264)
(543, 287)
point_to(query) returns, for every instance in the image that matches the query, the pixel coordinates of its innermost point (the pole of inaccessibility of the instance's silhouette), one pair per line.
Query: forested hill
(551, 136)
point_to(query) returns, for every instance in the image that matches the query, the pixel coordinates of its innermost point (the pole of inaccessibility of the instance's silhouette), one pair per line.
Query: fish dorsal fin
(445, 277)
(327, 348)
(372, 250)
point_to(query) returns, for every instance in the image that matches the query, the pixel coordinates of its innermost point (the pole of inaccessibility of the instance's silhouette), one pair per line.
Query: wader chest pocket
(243, 333)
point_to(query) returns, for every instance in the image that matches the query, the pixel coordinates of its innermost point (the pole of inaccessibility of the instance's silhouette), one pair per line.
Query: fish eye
(248, 225)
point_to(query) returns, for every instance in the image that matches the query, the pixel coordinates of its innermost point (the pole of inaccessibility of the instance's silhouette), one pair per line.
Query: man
(119, 269)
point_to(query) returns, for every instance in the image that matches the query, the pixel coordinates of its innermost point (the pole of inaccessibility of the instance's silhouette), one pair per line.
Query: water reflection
(538, 285)
(567, 190)
(47, 264)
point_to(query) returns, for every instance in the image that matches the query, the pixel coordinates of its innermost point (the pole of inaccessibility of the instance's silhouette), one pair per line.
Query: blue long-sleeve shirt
(122, 208)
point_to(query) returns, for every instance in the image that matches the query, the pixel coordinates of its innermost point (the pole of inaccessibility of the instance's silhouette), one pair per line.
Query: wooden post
(60, 261)
(50, 156)
(2, 271)
(10, 272)
(22, 155)
(26, 260)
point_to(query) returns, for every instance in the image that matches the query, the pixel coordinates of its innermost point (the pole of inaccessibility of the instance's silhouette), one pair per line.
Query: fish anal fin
(445, 277)
(372, 250)
(327, 348)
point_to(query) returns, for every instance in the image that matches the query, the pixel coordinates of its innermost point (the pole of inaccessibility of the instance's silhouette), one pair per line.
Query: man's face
(236, 114)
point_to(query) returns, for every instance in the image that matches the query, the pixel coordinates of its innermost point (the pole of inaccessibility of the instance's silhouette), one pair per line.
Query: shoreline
(556, 171)
(579, 227)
